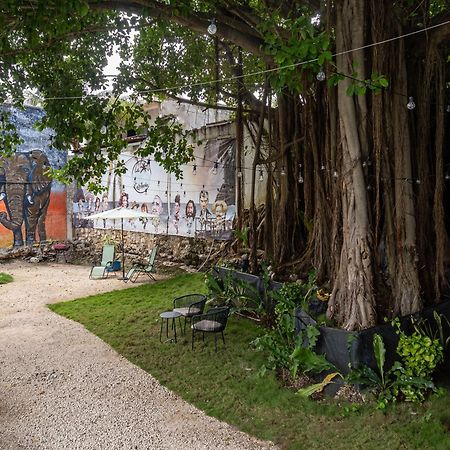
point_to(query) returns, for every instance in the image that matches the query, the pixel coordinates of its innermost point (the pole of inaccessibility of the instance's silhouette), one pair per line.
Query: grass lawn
(225, 384)
(5, 278)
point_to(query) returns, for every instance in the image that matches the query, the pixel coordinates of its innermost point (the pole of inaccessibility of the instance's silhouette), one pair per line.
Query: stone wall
(178, 251)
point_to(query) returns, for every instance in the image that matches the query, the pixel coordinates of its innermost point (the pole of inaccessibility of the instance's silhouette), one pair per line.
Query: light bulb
(212, 27)
(447, 176)
(103, 129)
(411, 105)
(261, 176)
(322, 167)
(283, 171)
(321, 75)
(194, 169)
(300, 179)
(417, 181)
(335, 174)
(214, 171)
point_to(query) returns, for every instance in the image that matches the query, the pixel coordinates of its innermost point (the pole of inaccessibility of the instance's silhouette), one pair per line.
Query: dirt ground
(63, 388)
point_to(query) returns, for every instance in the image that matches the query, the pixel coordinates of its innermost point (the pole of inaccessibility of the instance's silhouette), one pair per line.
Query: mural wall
(201, 204)
(33, 208)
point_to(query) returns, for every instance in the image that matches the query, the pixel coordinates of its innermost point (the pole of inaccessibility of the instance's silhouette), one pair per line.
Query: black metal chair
(189, 305)
(213, 321)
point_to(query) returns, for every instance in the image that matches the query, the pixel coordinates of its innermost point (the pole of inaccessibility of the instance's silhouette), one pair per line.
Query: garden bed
(345, 349)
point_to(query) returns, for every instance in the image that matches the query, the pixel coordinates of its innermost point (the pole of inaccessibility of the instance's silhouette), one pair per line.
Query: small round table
(167, 315)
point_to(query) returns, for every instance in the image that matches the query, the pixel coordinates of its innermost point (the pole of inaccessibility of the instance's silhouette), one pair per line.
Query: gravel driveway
(63, 388)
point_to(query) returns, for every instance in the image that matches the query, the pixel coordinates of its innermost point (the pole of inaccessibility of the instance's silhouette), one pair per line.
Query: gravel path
(63, 388)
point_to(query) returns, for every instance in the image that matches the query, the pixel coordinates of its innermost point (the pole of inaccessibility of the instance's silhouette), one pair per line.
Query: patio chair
(213, 321)
(143, 269)
(107, 265)
(189, 305)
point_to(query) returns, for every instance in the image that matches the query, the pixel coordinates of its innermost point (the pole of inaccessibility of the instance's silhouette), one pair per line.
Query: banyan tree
(346, 103)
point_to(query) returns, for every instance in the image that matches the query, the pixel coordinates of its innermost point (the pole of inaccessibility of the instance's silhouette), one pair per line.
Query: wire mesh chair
(189, 305)
(213, 321)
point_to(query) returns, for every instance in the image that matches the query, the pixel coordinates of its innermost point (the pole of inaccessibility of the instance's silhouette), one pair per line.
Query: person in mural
(156, 209)
(78, 199)
(191, 211)
(134, 206)
(204, 212)
(123, 201)
(144, 220)
(219, 208)
(176, 213)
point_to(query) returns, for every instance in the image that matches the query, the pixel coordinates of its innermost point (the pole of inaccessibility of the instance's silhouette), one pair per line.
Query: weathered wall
(173, 250)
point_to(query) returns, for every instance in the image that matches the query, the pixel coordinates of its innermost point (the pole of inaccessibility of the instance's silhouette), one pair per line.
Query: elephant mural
(25, 190)
(37, 203)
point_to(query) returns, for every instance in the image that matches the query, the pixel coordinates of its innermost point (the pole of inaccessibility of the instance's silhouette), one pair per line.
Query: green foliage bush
(5, 278)
(284, 349)
(409, 379)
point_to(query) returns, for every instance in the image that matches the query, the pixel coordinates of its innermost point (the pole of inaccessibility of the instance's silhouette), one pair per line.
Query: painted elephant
(37, 203)
(15, 187)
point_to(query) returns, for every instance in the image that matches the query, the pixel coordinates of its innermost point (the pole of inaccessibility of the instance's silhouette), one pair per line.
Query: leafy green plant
(238, 294)
(420, 354)
(285, 350)
(5, 278)
(242, 235)
(410, 379)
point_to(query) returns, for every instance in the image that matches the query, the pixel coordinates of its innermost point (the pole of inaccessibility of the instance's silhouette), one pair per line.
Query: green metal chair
(107, 265)
(142, 269)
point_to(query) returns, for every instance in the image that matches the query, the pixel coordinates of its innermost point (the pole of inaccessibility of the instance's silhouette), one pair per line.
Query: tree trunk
(352, 300)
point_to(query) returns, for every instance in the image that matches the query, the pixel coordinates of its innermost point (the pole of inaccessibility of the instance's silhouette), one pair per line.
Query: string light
(261, 176)
(320, 75)
(260, 72)
(300, 176)
(322, 167)
(447, 176)
(283, 171)
(216, 166)
(411, 105)
(417, 181)
(335, 174)
(212, 27)
(194, 169)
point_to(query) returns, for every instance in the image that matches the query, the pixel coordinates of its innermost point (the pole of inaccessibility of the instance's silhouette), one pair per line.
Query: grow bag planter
(352, 349)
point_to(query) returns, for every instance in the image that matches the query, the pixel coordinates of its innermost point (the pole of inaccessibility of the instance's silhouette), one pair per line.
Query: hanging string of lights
(320, 75)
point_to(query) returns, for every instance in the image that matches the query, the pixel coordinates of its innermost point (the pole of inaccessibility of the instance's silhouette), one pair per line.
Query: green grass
(225, 384)
(5, 278)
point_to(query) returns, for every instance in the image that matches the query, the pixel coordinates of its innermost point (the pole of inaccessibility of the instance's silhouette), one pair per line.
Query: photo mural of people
(191, 211)
(180, 206)
(176, 213)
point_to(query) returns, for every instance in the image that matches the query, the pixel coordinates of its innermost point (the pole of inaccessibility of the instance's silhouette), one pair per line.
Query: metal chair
(213, 321)
(189, 305)
(143, 269)
(107, 264)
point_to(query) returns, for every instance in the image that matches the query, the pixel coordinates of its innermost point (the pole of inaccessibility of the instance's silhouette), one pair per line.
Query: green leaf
(318, 387)
(380, 353)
